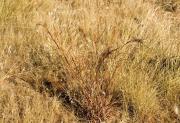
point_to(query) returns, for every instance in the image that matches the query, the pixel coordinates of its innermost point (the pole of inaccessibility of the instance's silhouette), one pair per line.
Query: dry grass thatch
(90, 61)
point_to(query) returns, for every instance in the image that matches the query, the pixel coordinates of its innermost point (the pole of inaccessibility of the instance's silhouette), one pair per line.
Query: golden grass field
(94, 61)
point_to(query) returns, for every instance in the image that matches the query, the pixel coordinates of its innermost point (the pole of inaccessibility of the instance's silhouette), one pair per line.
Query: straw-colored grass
(90, 61)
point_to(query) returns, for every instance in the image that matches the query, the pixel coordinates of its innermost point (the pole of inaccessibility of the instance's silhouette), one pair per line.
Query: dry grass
(90, 61)
(20, 103)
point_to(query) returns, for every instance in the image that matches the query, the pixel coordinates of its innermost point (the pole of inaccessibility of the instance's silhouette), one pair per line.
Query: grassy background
(90, 61)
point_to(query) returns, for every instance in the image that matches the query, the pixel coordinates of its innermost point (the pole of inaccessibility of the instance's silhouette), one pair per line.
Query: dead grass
(20, 103)
(89, 61)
